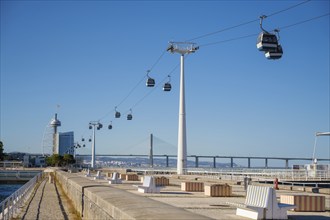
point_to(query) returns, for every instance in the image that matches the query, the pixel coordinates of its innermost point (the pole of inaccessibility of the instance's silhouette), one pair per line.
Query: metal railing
(284, 174)
(17, 175)
(11, 204)
(301, 184)
(239, 173)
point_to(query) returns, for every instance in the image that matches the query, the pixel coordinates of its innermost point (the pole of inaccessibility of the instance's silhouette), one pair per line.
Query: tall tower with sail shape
(55, 123)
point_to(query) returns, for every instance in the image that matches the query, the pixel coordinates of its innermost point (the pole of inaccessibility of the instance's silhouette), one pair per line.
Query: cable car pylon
(182, 48)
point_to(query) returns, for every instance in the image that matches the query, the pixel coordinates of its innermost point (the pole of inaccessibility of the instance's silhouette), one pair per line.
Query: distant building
(34, 160)
(64, 143)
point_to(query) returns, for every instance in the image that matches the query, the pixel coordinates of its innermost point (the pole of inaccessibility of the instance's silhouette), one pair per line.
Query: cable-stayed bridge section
(214, 158)
(162, 149)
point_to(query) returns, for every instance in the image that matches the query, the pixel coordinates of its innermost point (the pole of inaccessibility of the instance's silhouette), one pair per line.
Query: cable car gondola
(167, 86)
(82, 139)
(269, 43)
(110, 126)
(266, 41)
(117, 114)
(130, 116)
(150, 81)
(99, 126)
(274, 54)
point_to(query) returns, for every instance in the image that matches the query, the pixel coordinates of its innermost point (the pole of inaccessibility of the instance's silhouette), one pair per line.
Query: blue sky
(86, 56)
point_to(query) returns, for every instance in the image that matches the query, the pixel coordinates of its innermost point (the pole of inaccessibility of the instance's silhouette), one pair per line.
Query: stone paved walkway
(47, 202)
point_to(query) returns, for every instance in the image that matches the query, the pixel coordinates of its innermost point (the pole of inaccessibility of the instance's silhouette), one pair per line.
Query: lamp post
(98, 126)
(182, 48)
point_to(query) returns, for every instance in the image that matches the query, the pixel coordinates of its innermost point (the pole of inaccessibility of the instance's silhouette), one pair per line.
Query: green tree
(54, 160)
(2, 155)
(57, 160)
(68, 159)
(49, 161)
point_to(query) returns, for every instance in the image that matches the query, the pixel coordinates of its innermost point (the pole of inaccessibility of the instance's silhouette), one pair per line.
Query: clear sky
(90, 56)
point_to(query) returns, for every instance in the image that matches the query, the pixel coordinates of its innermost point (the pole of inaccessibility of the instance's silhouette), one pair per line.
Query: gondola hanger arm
(262, 17)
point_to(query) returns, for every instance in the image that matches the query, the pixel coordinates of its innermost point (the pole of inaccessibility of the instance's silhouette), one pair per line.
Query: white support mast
(317, 134)
(92, 125)
(182, 48)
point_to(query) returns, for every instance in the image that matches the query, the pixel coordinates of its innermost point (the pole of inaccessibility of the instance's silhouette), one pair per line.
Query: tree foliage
(68, 159)
(2, 154)
(59, 160)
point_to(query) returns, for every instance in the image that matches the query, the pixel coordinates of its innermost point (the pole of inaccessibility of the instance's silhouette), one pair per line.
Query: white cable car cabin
(274, 54)
(117, 114)
(267, 41)
(167, 87)
(150, 82)
(110, 127)
(129, 117)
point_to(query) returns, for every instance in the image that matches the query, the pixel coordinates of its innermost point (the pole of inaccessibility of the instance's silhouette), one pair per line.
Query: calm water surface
(8, 189)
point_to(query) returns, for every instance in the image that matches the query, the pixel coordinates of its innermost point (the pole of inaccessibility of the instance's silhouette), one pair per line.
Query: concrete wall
(94, 200)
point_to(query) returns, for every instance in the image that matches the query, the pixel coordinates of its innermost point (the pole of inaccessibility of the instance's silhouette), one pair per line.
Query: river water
(8, 189)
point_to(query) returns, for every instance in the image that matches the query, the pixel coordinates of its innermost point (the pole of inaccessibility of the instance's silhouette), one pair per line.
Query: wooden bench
(218, 190)
(261, 203)
(305, 203)
(192, 186)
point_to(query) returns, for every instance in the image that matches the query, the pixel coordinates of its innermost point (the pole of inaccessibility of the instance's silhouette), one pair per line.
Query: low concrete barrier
(132, 177)
(122, 176)
(217, 190)
(162, 181)
(94, 200)
(159, 180)
(305, 203)
(192, 186)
